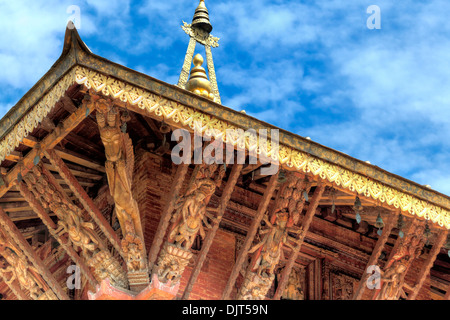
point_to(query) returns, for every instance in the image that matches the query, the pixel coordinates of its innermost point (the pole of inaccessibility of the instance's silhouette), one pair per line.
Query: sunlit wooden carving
(274, 236)
(269, 250)
(294, 290)
(81, 233)
(15, 266)
(119, 170)
(187, 222)
(190, 212)
(393, 275)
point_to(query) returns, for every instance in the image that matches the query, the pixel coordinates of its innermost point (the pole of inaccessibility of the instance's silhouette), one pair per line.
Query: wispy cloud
(311, 68)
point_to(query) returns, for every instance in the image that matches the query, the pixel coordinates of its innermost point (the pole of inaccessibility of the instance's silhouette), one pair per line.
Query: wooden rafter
(166, 214)
(305, 227)
(86, 201)
(226, 195)
(263, 205)
(414, 223)
(12, 230)
(375, 254)
(428, 264)
(52, 228)
(16, 290)
(49, 142)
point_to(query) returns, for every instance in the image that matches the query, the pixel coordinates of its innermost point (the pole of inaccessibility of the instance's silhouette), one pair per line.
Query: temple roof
(77, 64)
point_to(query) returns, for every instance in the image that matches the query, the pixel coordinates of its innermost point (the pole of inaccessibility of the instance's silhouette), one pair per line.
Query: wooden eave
(76, 53)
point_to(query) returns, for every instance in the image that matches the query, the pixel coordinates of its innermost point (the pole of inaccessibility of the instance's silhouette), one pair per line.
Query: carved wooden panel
(337, 285)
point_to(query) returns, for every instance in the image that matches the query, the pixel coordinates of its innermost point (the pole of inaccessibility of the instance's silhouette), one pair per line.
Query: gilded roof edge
(75, 53)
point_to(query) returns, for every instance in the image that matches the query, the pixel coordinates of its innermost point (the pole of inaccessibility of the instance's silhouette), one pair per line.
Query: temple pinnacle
(199, 33)
(201, 18)
(198, 81)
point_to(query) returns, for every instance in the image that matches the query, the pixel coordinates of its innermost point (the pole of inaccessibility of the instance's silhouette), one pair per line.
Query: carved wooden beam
(262, 208)
(12, 230)
(376, 253)
(167, 213)
(226, 195)
(119, 167)
(306, 222)
(86, 201)
(52, 228)
(428, 264)
(49, 142)
(13, 285)
(16, 290)
(405, 251)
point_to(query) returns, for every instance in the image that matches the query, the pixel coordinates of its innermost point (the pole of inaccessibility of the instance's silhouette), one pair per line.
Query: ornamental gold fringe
(35, 115)
(219, 129)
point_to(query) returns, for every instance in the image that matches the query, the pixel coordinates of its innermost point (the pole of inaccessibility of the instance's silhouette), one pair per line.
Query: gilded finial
(201, 18)
(198, 82)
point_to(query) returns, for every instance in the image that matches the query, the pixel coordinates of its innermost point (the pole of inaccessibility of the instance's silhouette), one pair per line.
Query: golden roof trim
(179, 105)
(301, 161)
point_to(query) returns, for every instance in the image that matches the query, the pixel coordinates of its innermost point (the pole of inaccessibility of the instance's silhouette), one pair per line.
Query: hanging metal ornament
(333, 199)
(125, 117)
(305, 192)
(19, 175)
(357, 207)
(37, 158)
(379, 223)
(400, 225)
(281, 176)
(164, 128)
(427, 232)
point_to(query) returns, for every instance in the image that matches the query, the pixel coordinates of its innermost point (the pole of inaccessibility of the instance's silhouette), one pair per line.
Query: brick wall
(151, 185)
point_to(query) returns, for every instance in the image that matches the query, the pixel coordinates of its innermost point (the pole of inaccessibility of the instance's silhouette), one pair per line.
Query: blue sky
(313, 68)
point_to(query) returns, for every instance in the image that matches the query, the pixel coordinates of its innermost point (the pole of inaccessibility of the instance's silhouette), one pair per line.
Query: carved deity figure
(392, 278)
(254, 287)
(343, 286)
(119, 168)
(133, 250)
(190, 212)
(19, 269)
(268, 251)
(81, 233)
(293, 290)
(291, 197)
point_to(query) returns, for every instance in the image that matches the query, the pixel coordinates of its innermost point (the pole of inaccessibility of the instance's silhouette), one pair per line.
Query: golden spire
(199, 32)
(198, 82)
(201, 18)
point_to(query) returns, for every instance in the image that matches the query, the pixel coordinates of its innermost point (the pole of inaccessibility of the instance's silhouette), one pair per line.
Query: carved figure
(269, 250)
(80, 232)
(392, 278)
(19, 269)
(119, 168)
(190, 212)
(293, 290)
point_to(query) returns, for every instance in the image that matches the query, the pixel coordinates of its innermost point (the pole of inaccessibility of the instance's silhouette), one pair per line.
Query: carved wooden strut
(119, 170)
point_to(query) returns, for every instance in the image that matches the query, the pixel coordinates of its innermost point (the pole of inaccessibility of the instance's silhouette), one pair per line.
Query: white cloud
(312, 68)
